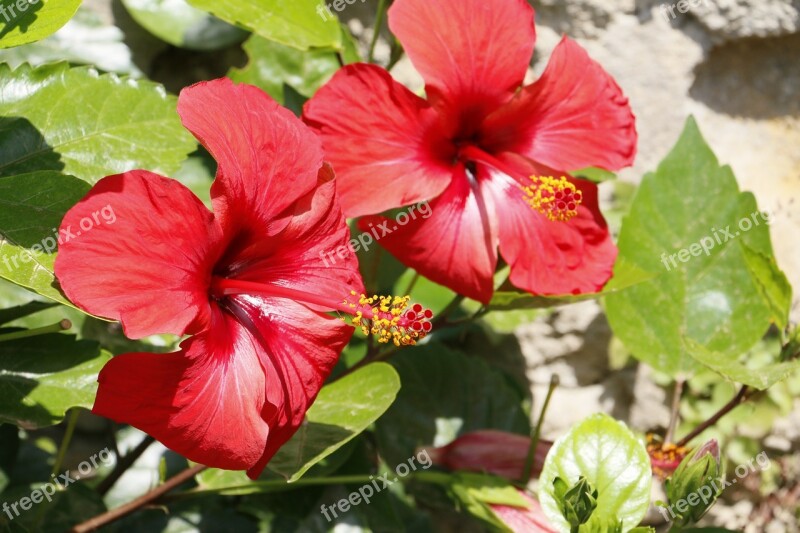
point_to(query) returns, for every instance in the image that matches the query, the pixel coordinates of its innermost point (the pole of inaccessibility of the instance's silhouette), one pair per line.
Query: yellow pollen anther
(392, 319)
(557, 199)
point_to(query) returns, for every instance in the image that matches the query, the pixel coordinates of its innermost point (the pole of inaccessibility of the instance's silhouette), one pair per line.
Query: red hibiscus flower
(492, 158)
(246, 282)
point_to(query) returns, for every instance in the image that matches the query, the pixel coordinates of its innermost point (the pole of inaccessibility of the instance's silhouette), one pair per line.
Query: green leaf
(476, 492)
(182, 25)
(725, 299)
(86, 124)
(31, 208)
(273, 66)
(38, 20)
(445, 394)
(40, 381)
(612, 460)
(758, 377)
(342, 410)
(302, 24)
(84, 40)
(21, 311)
(65, 509)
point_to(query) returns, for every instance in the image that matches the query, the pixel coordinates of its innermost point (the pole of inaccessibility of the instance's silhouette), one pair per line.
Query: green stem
(62, 450)
(24, 334)
(436, 477)
(378, 26)
(411, 283)
(675, 411)
(528, 471)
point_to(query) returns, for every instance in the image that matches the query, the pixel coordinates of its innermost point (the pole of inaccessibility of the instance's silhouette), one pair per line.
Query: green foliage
(297, 24)
(342, 410)
(180, 24)
(434, 407)
(577, 503)
(86, 124)
(33, 205)
(725, 299)
(40, 381)
(37, 21)
(273, 66)
(611, 459)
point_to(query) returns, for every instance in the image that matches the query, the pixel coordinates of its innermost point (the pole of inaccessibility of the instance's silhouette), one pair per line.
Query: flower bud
(695, 485)
(490, 451)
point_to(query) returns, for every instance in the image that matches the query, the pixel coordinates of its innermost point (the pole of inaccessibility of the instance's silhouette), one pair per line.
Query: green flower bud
(577, 503)
(695, 485)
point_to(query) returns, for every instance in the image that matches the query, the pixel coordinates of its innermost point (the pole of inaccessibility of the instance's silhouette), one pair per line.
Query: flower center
(557, 199)
(390, 318)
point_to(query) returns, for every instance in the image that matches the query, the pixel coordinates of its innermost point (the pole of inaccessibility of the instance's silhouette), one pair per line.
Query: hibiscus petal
(311, 254)
(575, 116)
(546, 257)
(522, 520)
(473, 54)
(456, 246)
(149, 266)
(383, 141)
(267, 158)
(233, 394)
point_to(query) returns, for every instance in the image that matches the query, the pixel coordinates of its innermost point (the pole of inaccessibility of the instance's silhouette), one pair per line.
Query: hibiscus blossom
(245, 282)
(492, 157)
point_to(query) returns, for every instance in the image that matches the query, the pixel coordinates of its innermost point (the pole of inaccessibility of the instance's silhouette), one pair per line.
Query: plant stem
(441, 478)
(62, 449)
(376, 32)
(728, 407)
(676, 404)
(452, 306)
(411, 283)
(54, 328)
(128, 508)
(123, 464)
(528, 470)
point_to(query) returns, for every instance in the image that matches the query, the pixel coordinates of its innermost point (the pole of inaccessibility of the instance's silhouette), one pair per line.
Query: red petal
(473, 54)
(521, 520)
(382, 140)
(148, 265)
(456, 246)
(575, 116)
(234, 394)
(311, 254)
(267, 157)
(496, 452)
(546, 257)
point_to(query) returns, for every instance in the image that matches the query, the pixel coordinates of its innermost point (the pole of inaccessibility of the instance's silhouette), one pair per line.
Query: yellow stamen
(557, 199)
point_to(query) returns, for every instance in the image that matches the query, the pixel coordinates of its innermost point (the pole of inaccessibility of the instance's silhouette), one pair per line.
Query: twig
(376, 32)
(676, 404)
(123, 464)
(128, 508)
(728, 407)
(528, 470)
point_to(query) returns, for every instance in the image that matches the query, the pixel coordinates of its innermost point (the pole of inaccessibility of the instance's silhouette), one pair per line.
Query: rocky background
(733, 64)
